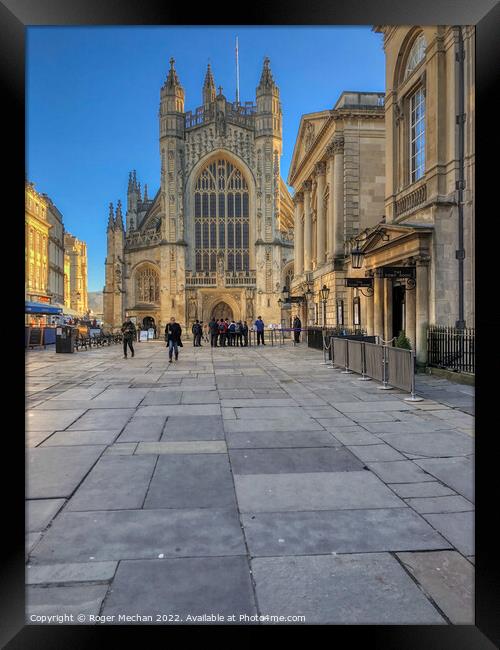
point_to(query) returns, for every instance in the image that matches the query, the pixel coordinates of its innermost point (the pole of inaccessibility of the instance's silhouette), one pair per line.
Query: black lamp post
(286, 294)
(324, 292)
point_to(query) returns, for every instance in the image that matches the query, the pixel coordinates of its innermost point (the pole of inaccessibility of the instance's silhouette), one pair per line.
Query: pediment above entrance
(310, 126)
(393, 244)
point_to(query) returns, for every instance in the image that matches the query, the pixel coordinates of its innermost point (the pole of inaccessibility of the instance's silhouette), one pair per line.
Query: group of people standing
(224, 332)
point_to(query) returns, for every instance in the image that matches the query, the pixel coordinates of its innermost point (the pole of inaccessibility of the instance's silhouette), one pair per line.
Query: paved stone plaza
(242, 482)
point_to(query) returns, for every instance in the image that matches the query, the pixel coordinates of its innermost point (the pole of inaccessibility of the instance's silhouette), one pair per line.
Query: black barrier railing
(85, 342)
(451, 348)
(315, 335)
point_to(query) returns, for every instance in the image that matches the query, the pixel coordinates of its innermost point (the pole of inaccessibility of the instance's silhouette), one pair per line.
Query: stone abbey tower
(217, 237)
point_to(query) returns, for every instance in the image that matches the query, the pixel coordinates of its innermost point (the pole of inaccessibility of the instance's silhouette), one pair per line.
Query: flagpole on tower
(237, 75)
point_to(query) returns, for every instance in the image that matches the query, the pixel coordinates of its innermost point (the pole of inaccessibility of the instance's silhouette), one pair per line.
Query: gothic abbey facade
(217, 238)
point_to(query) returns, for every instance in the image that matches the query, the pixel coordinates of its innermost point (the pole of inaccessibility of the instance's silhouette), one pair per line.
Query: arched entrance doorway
(148, 322)
(222, 310)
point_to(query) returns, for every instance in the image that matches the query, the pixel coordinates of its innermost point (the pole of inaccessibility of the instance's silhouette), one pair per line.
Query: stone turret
(172, 105)
(268, 117)
(209, 87)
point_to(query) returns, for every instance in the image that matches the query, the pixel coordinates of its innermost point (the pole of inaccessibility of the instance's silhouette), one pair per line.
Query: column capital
(422, 260)
(307, 186)
(320, 168)
(298, 197)
(335, 146)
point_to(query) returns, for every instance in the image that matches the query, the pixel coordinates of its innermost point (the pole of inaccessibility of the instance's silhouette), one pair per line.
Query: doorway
(148, 322)
(398, 309)
(222, 310)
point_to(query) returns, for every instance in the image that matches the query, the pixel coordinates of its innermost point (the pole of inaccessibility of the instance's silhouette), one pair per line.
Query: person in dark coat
(213, 326)
(297, 324)
(259, 326)
(197, 331)
(173, 333)
(222, 333)
(129, 334)
(244, 331)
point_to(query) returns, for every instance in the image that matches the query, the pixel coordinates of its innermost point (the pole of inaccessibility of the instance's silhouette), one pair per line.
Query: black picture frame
(15, 15)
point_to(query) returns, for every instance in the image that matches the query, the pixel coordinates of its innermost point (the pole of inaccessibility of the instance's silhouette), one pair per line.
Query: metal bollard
(346, 370)
(413, 397)
(364, 376)
(385, 385)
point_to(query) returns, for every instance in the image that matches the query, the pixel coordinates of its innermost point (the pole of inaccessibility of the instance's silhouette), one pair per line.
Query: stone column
(369, 315)
(422, 309)
(388, 333)
(410, 321)
(320, 170)
(298, 247)
(307, 227)
(330, 222)
(378, 306)
(338, 200)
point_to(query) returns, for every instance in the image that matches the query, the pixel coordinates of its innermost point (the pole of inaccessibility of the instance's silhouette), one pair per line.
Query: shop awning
(41, 308)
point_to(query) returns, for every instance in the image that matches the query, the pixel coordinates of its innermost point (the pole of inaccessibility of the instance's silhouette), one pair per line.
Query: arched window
(147, 285)
(416, 55)
(221, 217)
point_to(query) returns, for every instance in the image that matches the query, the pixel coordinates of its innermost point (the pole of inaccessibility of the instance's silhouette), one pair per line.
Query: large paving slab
(277, 439)
(435, 444)
(56, 471)
(283, 424)
(193, 427)
(399, 471)
(185, 587)
(64, 600)
(51, 420)
(370, 452)
(140, 534)
(287, 461)
(456, 527)
(448, 578)
(39, 574)
(457, 473)
(318, 491)
(191, 481)
(102, 419)
(115, 482)
(345, 589)
(172, 410)
(143, 429)
(70, 438)
(338, 531)
(40, 512)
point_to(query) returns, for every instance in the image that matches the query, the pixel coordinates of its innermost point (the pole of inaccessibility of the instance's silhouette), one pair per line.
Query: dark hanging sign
(398, 272)
(296, 299)
(359, 282)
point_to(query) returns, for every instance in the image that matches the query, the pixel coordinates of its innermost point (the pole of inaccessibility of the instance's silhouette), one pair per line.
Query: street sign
(398, 272)
(359, 282)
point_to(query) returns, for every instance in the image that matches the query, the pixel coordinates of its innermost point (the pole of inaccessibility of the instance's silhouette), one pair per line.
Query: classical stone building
(37, 229)
(337, 172)
(56, 252)
(428, 228)
(217, 237)
(76, 252)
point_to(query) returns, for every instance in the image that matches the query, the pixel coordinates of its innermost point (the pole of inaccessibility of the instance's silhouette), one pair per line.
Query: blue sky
(92, 98)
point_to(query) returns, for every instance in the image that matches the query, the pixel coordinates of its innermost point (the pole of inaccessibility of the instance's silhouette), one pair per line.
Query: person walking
(173, 333)
(196, 330)
(259, 326)
(129, 334)
(213, 326)
(297, 324)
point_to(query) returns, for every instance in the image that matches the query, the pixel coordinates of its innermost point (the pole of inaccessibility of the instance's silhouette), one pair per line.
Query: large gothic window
(221, 217)
(147, 285)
